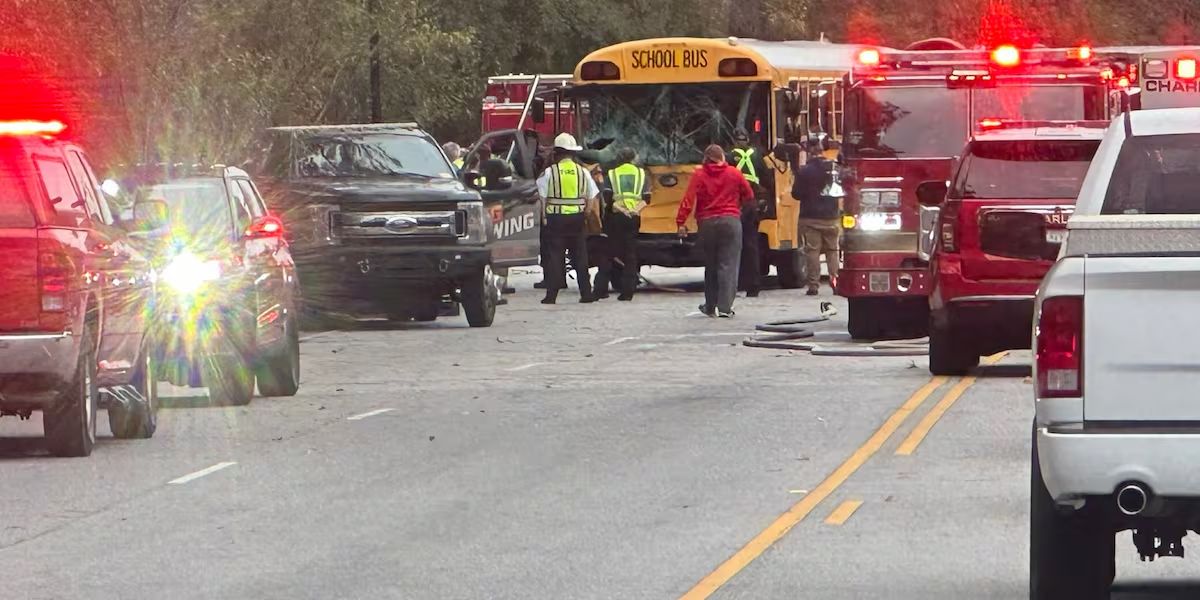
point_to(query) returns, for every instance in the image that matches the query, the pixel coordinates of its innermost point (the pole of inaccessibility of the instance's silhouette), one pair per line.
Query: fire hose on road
(784, 335)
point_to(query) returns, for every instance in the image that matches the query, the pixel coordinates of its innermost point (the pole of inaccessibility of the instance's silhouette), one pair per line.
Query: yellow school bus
(670, 98)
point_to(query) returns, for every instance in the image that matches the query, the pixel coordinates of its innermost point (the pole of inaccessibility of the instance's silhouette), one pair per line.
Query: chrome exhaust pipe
(1133, 499)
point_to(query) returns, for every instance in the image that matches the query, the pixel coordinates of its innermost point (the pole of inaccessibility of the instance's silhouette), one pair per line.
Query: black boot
(551, 297)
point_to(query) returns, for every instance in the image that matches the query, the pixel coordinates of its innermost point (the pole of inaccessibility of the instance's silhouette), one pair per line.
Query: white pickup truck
(1117, 362)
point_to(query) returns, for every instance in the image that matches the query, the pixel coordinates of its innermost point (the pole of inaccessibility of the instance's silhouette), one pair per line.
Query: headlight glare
(187, 272)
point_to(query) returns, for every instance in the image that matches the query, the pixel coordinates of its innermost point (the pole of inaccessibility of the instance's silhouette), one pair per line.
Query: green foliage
(189, 79)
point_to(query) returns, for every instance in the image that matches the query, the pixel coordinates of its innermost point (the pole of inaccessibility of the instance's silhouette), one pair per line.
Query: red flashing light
(1185, 68)
(990, 123)
(265, 227)
(1080, 53)
(31, 127)
(1006, 55)
(1106, 73)
(869, 57)
(1123, 82)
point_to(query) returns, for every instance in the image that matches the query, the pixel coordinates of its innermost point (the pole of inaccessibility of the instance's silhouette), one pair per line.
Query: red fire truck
(505, 97)
(907, 115)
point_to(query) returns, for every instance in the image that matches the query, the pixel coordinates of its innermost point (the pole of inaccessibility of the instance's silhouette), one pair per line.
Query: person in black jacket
(820, 213)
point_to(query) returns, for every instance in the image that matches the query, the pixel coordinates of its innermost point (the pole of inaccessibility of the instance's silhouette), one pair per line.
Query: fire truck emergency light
(869, 57)
(990, 123)
(31, 127)
(1185, 68)
(1080, 53)
(1006, 55)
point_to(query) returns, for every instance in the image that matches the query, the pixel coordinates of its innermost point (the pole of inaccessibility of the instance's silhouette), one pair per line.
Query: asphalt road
(615, 450)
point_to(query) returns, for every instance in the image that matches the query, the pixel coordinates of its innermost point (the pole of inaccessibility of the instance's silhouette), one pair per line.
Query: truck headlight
(472, 222)
(879, 221)
(187, 272)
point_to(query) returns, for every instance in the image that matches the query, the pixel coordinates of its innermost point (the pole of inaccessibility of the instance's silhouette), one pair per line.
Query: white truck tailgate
(1142, 338)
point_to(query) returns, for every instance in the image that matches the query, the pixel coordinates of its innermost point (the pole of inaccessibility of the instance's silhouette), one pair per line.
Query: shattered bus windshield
(670, 124)
(906, 122)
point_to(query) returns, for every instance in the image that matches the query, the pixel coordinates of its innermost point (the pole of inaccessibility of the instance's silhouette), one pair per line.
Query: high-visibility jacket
(458, 163)
(745, 163)
(628, 183)
(567, 193)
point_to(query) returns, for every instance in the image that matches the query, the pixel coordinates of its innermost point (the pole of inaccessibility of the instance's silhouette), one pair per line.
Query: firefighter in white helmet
(568, 191)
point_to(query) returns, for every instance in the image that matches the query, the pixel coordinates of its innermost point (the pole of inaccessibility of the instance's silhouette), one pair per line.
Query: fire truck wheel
(948, 355)
(863, 320)
(790, 265)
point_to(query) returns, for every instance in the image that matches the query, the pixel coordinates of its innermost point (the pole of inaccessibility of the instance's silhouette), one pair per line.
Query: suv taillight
(948, 227)
(54, 271)
(1060, 348)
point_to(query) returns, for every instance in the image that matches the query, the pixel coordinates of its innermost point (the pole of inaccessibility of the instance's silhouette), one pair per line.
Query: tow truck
(908, 114)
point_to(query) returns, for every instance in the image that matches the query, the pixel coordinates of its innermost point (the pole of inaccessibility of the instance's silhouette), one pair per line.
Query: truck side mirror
(932, 193)
(537, 110)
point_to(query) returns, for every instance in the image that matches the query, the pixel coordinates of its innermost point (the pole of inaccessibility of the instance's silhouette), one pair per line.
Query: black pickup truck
(379, 224)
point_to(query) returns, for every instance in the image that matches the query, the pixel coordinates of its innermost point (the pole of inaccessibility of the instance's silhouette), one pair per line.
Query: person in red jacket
(717, 192)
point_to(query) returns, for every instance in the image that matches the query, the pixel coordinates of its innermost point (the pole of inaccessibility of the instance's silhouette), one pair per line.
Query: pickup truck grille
(444, 224)
(1006, 232)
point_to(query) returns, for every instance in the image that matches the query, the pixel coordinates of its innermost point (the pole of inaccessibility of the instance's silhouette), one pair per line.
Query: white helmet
(566, 141)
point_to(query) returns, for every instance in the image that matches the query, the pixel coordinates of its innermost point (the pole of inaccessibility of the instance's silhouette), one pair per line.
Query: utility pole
(376, 68)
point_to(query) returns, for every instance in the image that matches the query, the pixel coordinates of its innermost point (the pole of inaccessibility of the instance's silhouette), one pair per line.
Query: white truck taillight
(1060, 348)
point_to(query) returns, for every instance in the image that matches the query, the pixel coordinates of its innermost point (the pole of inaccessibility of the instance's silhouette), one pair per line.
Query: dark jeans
(565, 233)
(750, 273)
(620, 247)
(721, 243)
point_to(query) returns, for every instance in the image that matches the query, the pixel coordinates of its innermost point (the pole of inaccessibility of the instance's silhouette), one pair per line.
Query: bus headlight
(186, 273)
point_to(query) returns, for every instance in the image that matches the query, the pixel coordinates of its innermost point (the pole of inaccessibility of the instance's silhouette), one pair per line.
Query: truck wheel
(229, 380)
(70, 423)
(279, 373)
(948, 355)
(140, 420)
(790, 265)
(1071, 555)
(863, 320)
(479, 297)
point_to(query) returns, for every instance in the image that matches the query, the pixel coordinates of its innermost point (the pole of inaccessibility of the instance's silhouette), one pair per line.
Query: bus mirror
(932, 193)
(537, 110)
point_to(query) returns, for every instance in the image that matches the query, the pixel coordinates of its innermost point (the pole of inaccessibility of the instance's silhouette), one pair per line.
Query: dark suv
(73, 292)
(227, 304)
(379, 224)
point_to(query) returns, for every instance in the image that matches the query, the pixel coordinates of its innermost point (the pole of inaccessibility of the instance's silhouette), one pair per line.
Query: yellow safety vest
(458, 163)
(567, 193)
(745, 165)
(628, 183)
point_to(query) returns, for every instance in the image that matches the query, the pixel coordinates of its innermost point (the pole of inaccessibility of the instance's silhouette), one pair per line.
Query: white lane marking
(619, 340)
(371, 413)
(680, 336)
(201, 473)
(528, 366)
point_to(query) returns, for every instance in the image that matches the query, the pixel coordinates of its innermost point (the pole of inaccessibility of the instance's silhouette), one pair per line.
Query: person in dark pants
(717, 191)
(567, 188)
(762, 180)
(627, 191)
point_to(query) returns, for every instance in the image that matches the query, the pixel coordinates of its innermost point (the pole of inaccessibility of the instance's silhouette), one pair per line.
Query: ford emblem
(400, 224)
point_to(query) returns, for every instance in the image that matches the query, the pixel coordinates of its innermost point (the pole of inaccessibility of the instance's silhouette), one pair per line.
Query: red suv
(998, 233)
(73, 292)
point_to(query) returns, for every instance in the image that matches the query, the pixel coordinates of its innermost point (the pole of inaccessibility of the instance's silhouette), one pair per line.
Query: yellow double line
(797, 513)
